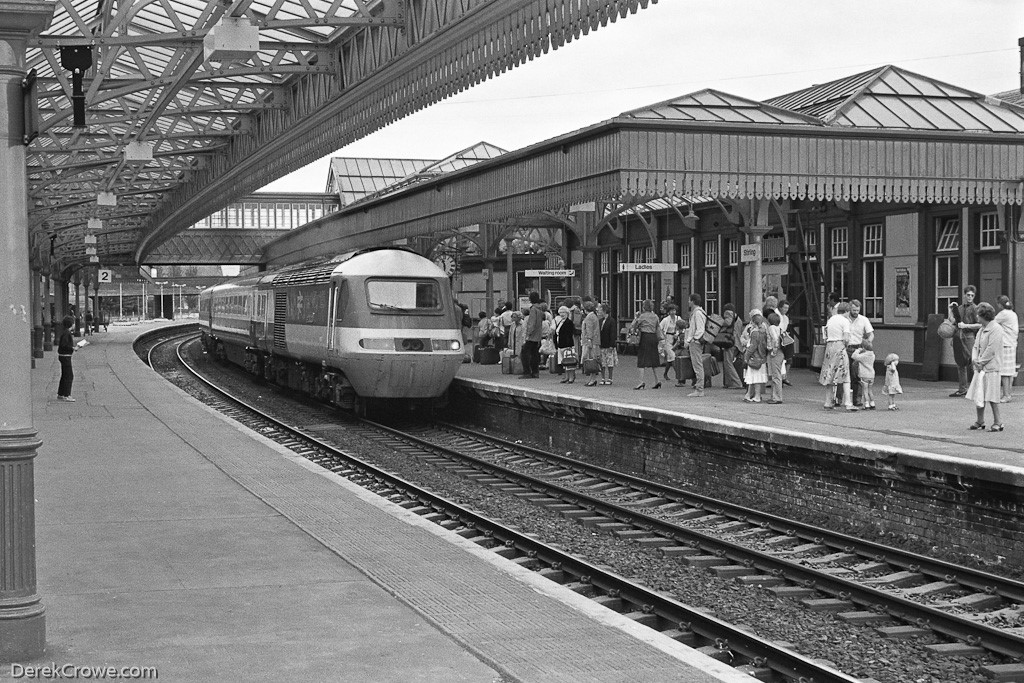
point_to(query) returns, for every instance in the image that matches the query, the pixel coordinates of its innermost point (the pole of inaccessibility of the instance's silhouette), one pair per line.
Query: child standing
(892, 380)
(864, 357)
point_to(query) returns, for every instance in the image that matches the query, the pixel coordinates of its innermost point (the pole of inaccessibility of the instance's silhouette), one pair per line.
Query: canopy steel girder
(326, 72)
(213, 247)
(385, 75)
(627, 160)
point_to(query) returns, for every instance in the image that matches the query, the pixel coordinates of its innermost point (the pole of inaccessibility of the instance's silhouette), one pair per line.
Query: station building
(906, 248)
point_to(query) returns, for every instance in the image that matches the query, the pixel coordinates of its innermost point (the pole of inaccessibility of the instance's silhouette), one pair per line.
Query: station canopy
(885, 135)
(189, 105)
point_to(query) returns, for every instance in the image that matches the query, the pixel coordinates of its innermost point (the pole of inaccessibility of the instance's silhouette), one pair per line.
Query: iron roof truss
(325, 72)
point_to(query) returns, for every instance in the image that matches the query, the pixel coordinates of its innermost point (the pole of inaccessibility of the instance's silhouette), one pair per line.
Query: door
(333, 313)
(990, 276)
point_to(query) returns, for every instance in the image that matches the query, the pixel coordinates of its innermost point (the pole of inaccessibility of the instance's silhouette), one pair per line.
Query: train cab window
(403, 296)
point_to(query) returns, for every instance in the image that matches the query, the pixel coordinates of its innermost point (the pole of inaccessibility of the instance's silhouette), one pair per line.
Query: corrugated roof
(891, 97)
(718, 107)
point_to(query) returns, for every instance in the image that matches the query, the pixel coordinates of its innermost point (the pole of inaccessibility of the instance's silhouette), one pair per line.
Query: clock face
(446, 262)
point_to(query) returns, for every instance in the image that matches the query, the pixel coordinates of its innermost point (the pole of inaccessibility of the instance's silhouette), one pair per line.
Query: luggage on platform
(684, 368)
(489, 356)
(511, 365)
(712, 326)
(818, 356)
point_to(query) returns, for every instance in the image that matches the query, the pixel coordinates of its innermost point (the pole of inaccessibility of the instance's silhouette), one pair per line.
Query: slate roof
(716, 106)
(894, 98)
(353, 178)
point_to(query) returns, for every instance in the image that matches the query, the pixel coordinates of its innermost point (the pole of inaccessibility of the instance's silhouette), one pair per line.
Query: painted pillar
(37, 315)
(78, 304)
(47, 315)
(754, 293)
(96, 304)
(510, 275)
(22, 616)
(489, 267)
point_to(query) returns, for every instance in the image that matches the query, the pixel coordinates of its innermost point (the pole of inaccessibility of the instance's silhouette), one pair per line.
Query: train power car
(372, 325)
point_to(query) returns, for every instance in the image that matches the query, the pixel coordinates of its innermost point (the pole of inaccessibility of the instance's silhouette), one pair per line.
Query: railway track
(862, 583)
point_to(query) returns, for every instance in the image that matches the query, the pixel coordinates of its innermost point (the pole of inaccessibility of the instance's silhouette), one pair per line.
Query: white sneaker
(67, 398)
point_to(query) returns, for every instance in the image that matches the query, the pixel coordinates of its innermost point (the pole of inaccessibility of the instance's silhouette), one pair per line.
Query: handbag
(547, 346)
(632, 335)
(591, 366)
(753, 360)
(569, 359)
(788, 345)
(947, 329)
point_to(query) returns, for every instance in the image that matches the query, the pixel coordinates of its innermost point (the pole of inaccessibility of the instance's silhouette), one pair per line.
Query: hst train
(373, 324)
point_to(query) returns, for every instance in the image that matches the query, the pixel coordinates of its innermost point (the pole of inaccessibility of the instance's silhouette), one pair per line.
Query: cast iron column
(47, 316)
(96, 305)
(22, 618)
(79, 313)
(36, 292)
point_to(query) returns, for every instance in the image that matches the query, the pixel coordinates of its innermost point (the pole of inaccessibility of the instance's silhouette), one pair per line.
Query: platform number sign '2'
(105, 277)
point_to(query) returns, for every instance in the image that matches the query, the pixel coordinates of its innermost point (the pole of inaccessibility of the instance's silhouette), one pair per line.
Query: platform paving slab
(168, 536)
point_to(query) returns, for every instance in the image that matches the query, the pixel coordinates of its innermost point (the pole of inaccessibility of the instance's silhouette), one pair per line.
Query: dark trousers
(67, 376)
(855, 388)
(531, 358)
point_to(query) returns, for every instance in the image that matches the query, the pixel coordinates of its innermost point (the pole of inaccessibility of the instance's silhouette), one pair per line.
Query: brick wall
(870, 492)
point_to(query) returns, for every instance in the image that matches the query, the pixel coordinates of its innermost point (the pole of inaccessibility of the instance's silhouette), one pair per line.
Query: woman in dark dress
(65, 347)
(646, 324)
(565, 343)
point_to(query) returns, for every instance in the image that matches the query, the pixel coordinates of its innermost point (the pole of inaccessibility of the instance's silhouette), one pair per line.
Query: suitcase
(511, 365)
(489, 356)
(684, 368)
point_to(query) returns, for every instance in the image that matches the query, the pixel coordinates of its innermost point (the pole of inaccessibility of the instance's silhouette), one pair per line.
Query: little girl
(892, 380)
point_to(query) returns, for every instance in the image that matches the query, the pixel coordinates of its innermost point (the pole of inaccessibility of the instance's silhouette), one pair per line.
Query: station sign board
(750, 252)
(105, 276)
(648, 267)
(570, 272)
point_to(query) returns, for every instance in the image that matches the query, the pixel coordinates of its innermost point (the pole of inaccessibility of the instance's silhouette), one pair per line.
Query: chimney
(1020, 43)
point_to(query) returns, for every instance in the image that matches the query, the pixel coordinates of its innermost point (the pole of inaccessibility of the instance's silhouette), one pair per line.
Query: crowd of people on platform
(583, 336)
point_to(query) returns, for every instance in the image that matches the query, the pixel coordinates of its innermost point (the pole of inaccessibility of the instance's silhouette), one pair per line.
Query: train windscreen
(403, 296)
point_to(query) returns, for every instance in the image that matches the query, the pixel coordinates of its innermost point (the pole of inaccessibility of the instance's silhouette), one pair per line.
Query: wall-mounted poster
(903, 293)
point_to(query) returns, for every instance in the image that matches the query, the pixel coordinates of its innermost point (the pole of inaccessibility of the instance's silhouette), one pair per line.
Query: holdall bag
(712, 326)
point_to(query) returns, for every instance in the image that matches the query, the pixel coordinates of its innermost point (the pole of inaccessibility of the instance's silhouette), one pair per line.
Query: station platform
(168, 536)
(928, 425)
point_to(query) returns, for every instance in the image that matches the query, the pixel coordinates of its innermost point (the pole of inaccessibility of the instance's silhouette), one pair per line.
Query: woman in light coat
(590, 338)
(986, 357)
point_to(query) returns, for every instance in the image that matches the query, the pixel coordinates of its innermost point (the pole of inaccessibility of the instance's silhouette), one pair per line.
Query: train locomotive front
(379, 324)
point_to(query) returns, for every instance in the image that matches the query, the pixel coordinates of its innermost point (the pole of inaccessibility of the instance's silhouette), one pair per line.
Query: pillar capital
(756, 231)
(20, 20)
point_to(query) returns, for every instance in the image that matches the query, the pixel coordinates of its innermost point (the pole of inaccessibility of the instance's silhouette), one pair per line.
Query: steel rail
(975, 579)
(898, 607)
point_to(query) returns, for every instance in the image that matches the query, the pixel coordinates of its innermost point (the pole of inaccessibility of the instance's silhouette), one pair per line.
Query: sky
(752, 48)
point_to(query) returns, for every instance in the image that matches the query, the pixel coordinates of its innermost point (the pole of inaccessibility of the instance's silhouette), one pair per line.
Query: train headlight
(445, 344)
